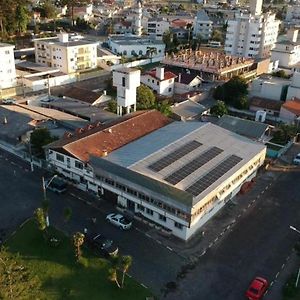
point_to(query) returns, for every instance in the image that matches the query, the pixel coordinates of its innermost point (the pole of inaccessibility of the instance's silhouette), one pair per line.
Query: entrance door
(130, 205)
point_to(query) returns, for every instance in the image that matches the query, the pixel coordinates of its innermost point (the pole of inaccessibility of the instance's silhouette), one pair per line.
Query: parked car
(56, 185)
(296, 160)
(119, 220)
(9, 101)
(257, 289)
(103, 245)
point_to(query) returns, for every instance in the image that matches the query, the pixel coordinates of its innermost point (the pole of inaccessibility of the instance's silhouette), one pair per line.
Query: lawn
(61, 277)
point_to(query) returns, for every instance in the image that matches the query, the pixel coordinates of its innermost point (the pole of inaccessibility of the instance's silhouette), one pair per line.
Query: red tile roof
(102, 140)
(167, 75)
(293, 106)
(179, 23)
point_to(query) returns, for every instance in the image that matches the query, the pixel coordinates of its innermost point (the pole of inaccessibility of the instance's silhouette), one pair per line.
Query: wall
(286, 115)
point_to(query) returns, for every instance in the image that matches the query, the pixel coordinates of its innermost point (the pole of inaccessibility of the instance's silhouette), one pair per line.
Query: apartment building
(7, 66)
(253, 34)
(203, 26)
(156, 27)
(67, 54)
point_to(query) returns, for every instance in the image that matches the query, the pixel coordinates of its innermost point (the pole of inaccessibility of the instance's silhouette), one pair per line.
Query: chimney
(63, 37)
(292, 35)
(179, 77)
(160, 73)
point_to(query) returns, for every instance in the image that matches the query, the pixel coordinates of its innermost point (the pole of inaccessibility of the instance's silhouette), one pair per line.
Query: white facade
(251, 35)
(157, 27)
(181, 88)
(287, 52)
(294, 88)
(293, 14)
(159, 83)
(7, 66)
(203, 26)
(68, 56)
(126, 80)
(132, 46)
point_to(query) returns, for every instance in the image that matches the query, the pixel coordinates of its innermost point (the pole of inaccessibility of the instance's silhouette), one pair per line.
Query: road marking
(143, 285)
(266, 187)
(271, 283)
(258, 196)
(249, 205)
(253, 201)
(148, 235)
(277, 274)
(262, 192)
(239, 215)
(283, 265)
(210, 245)
(228, 227)
(170, 248)
(216, 239)
(221, 233)
(203, 253)
(158, 241)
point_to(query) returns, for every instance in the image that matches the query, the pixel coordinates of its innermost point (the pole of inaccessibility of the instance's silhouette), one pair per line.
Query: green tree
(219, 109)
(71, 4)
(217, 36)
(145, 97)
(39, 138)
(233, 92)
(16, 281)
(126, 262)
(164, 107)
(284, 133)
(78, 240)
(48, 10)
(112, 106)
(22, 18)
(168, 39)
(113, 276)
(40, 218)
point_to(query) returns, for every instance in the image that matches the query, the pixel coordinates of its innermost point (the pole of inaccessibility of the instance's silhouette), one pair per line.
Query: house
(122, 27)
(203, 26)
(256, 131)
(84, 12)
(156, 27)
(185, 82)
(188, 110)
(271, 107)
(176, 175)
(7, 66)
(161, 82)
(290, 111)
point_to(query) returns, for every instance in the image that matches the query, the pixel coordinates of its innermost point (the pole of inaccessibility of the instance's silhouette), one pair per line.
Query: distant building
(156, 27)
(203, 26)
(161, 82)
(7, 66)
(185, 83)
(287, 52)
(66, 54)
(252, 35)
(293, 14)
(290, 111)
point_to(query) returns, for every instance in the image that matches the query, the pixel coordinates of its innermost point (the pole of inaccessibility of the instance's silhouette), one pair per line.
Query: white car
(119, 220)
(9, 101)
(296, 160)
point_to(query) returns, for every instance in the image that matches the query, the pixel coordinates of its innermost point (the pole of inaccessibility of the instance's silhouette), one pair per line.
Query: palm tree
(126, 262)
(40, 218)
(78, 240)
(112, 276)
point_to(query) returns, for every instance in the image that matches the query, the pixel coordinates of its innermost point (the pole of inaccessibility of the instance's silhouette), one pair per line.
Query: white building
(138, 19)
(203, 26)
(131, 46)
(287, 52)
(7, 66)
(156, 27)
(161, 82)
(252, 35)
(293, 14)
(142, 174)
(290, 111)
(294, 87)
(68, 55)
(126, 80)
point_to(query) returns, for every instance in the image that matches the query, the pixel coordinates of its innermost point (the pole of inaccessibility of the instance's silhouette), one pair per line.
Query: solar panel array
(193, 165)
(207, 180)
(175, 155)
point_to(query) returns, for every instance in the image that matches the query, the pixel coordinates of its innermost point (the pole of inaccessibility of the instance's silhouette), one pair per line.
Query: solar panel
(193, 165)
(173, 156)
(207, 180)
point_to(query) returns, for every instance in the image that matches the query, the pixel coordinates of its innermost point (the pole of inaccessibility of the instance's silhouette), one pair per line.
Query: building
(138, 19)
(293, 14)
(185, 82)
(84, 12)
(294, 87)
(271, 107)
(7, 66)
(161, 82)
(156, 27)
(187, 172)
(287, 52)
(252, 35)
(188, 110)
(203, 26)
(126, 80)
(135, 46)
(66, 54)
(290, 111)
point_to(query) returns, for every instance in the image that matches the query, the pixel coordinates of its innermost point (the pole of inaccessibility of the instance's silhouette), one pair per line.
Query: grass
(61, 276)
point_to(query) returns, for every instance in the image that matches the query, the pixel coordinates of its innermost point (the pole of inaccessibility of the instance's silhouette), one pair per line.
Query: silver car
(119, 221)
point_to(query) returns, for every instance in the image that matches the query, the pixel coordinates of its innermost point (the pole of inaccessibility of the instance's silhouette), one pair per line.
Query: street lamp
(298, 275)
(45, 195)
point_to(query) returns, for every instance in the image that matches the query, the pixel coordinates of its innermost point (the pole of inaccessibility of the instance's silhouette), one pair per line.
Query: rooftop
(181, 153)
(188, 109)
(105, 139)
(70, 43)
(266, 103)
(202, 16)
(293, 106)
(2, 45)
(81, 94)
(133, 40)
(167, 75)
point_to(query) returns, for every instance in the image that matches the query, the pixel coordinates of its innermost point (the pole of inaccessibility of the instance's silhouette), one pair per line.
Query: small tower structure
(138, 19)
(126, 80)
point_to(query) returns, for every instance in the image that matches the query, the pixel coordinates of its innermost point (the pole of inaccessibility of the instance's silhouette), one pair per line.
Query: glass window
(178, 225)
(78, 165)
(60, 157)
(162, 218)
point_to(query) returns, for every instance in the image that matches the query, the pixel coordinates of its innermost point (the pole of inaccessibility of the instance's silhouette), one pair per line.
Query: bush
(83, 261)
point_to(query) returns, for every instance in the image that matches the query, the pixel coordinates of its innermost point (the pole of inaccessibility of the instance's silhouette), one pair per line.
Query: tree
(217, 36)
(40, 219)
(145, 97)
(168, 39)
(284, 133)
(126, 262)
(22, 18)
(71, 4)
(39, 138)
(48, 10)
(219, 109)
(164, 107)
(113, 276)
(112, 106)
(78, 240)
(16, 281)
(67, 214)
(233, 92)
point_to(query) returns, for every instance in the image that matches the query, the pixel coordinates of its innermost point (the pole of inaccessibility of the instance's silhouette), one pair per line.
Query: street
(257, 244)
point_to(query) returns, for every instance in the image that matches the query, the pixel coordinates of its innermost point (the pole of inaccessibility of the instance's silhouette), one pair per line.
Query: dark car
(103, 245)
(56, 185)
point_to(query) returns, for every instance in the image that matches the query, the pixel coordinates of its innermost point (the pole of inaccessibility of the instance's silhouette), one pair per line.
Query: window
(131, 191)
(162, 218)
(178, 225)
(60, 157)
(149, 211)
(170, 90)
(6, 51)
(78, 165)
(140, 207)
(121, 186)
(123, 81)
